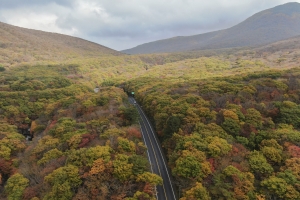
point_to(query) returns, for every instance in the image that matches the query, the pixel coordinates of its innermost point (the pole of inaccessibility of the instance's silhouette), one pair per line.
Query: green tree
(253, 117)
(231, 126)
(130, 114)
(187, 167)
(275, 185)
(102, 101)
(271, 143)
(289, 113)
(258, 163)
(192, 164)
(63, 192)
(293, 165)
(15, 186)
(52, 154)
(5, 152)
(272, 154)
(173, 125)
(196, 192)
(231, 183)
(122, 168)
(150, 178)
(218, 146)
(288, 176)
(140, 195)
(45, 144)
(125, 145)
(64, 181)
(86, 157)
(140, 164)
(2, 69)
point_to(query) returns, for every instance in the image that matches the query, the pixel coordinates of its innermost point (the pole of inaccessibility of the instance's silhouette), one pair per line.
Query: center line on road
(153, 150)
(158, 149)
(155, 155)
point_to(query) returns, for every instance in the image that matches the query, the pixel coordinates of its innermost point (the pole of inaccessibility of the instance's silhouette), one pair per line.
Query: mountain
(21, 45)
(271, 25)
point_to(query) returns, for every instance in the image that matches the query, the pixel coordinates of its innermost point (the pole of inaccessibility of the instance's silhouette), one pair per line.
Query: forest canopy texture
(228, 120)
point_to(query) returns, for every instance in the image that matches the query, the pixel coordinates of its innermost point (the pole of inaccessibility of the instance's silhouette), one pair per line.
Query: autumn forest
(228, 121)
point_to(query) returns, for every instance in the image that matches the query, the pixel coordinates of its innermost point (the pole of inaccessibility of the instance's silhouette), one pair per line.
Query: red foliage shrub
(61, 160)
(236, 157)
(52, 165)
(5, 167)
(238, 166)
(133, 132)
(86, 138)
(47, 170)
(118, 196)
(244, 111)
(266, 96)
(273, 113)
(160, 133)
(84, 142)
(29, 193)
(294, 151)
(94, 192)
(237, 101)
(247, 129)
(235, 150)
(51, 125)
(212, 164)
(23, 126)
(149, 189)
(238, 150)
(275, 94)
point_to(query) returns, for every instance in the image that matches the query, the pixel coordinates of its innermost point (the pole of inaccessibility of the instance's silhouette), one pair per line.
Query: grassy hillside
(21, 45)
(270, 25)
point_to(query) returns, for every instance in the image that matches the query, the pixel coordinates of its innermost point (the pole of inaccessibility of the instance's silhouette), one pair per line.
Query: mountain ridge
(271, 25)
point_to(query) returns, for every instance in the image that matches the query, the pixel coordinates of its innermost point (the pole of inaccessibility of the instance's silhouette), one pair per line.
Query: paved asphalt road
(156, 159)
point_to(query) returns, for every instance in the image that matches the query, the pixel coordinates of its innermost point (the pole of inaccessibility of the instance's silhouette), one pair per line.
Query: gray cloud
(11, 4)
(121, 24)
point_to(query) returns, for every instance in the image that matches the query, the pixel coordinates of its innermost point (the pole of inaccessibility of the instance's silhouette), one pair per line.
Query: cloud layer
(120, 24)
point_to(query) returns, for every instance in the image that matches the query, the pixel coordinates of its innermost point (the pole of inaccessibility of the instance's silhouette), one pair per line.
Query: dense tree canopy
(245, 128)
(229, 125)
(85, 145)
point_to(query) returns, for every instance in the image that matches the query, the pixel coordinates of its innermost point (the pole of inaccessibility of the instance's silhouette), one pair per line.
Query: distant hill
(278, 23)
(21, 45)
(287, 45)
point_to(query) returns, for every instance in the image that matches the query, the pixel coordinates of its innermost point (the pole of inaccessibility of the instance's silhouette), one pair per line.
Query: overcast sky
(122, 24)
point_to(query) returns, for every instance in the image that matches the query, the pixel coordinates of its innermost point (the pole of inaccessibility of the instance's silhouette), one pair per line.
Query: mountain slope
(18, 45)
(278, 23)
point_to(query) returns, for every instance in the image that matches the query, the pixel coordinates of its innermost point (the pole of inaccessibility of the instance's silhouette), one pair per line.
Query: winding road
(155, 156)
